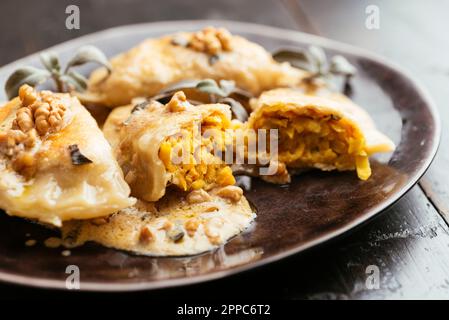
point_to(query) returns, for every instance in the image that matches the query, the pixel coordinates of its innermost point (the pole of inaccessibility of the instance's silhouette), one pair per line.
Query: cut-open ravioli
(209, 53)
(316, 132)
(176, 144)
(178, 224)
(114, 123)
(55, 163)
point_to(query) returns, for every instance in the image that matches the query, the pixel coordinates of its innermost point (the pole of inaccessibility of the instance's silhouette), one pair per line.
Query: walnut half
(38, 115)
(211, 40)
(42, 111)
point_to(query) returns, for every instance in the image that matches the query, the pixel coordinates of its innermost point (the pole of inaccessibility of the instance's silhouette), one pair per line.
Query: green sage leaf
(238, 111)
(297, 58)
(88, 54)
(341, 66)
(227, 86)
(75, 80)
(211, 87)
(214, 59)
(50, 61)
(347, 87)
(318, 58)
(25, 75)
(77, 157)
(184, 84)
(176, 234)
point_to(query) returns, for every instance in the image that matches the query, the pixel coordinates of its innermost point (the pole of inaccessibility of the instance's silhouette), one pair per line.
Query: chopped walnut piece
(24, 159)
(48, 118)
(53, 242)
(66, 253)
(12, 144)
(99, 221)
(211, 209)
(225, 38)
(39, 113)
(281, 174)
(281, 169)
(211, 229)
(7, 142)
(146, 235)
(4, 138)
(191, 226)
(167, 225)
(232, 193)
(198, 196)
(31, 138)
(24, 163)
(27, 95)
(42, 111)
(178, 102)
(17, 135)
(30, 242)
(24, 119)
(211, 40)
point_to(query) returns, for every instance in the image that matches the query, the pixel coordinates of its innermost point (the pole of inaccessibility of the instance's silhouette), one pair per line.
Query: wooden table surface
(409, 242)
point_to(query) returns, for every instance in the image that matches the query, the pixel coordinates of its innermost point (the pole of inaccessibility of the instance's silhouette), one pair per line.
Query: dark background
(409, 242)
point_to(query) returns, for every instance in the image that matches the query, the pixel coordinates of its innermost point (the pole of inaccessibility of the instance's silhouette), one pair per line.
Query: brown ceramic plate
(314, 208)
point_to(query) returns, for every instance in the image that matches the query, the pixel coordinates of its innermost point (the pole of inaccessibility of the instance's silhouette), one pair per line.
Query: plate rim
(255, 28)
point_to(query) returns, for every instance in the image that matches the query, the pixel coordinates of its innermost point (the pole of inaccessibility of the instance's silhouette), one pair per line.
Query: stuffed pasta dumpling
(55, 163)
(176, 144)
(317, 132)
(212, 53)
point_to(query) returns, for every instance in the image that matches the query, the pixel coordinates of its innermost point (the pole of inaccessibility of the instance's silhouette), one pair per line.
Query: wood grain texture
(409, 242)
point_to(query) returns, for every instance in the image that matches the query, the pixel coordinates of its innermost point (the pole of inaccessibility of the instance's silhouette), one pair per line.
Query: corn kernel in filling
(190, 158)
(321, 141)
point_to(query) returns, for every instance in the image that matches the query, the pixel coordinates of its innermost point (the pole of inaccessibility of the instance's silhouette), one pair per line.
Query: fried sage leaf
(140, 106)
(63, 80)
(317, 57)
(25, 75)
(227, 86)
(298, 58)
(180, 85)
(77, 157)
(315, 61)
(339, 65)
(50, 61)
(238, 111)
(75, 80)
(88, 54)
(218, 92)
(211, 87)
(176, 234)
(214, 59)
